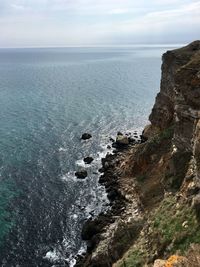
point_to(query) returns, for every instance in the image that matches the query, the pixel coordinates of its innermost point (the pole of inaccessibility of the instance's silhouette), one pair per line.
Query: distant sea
(48, 98)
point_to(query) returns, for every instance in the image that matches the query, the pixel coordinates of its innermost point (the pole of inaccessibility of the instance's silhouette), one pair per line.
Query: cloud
(85, 22)
(17, 7)
(119, 11)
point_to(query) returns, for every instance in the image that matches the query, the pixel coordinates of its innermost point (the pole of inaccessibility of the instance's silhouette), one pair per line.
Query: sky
(46, 23)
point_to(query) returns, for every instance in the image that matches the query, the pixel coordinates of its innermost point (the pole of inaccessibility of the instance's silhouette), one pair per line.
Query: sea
(49, 97)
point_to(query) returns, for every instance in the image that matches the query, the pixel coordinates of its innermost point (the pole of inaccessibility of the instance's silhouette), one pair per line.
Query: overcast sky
(97, 22)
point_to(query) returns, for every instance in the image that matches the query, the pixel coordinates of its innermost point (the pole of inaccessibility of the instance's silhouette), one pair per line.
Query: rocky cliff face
(158, 182)
(178, 106)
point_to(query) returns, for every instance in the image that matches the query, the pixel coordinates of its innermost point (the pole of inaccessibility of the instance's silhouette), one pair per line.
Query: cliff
(154, 187)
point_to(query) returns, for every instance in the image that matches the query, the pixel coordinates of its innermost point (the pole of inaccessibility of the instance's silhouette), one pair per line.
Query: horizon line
(99, 46)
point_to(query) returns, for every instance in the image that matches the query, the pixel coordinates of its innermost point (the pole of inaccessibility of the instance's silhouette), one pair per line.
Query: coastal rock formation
(88, 160)
(86, 136)
(122, 140)
(81, 174)
(154, 187)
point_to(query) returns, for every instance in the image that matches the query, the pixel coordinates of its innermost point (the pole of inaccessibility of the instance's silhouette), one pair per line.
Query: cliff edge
(155, 185)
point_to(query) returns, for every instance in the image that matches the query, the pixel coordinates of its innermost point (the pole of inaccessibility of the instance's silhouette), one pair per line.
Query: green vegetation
(178, 226)
(136, 259)
(164, 135)
(173, 227)
(7, 193)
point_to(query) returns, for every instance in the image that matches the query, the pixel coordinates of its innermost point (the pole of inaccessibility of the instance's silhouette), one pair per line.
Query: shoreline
(120, 202)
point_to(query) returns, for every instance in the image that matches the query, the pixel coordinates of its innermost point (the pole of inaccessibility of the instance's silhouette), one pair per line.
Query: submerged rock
(88, 160)
(81, 174)
(86, 136)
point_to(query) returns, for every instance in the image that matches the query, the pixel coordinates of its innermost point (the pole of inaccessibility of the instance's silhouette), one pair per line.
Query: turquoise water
(48, 98)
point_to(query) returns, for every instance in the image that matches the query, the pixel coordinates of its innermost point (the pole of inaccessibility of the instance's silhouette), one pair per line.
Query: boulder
(131, 140)
(90, 228)
(81, 174)
(88, 160)
(150, 131)
(122, 140)
(86, 136)
(113, 194)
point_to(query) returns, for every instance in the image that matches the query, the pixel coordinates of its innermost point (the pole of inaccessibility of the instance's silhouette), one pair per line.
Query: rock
(86, 136)
(131, 140)
(90, 228)
(88, 160)
(196, 205)
(159, 263)
(176, 261)
(106, 162)
(185, 224)
(81, 174)
(112, 194)
(101, 170)
(108, 147)
(112, 140)
(143, 139)
(102, 179)
(193, 188)
(150, 131)
(114, 145)
(106, 165)
(122, 140)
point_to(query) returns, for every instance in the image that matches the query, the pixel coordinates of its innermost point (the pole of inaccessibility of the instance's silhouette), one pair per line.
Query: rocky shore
(123, 202)
(154, 185)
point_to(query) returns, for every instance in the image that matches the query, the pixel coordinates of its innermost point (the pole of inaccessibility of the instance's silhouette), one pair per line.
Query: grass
(176, 226)
(136, 259)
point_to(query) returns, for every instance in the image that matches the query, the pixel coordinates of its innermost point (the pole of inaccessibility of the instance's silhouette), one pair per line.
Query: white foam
(74, 216)
(61, 149)
(52, 256)
(72, 263)
(81, 163)
(69, 177)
